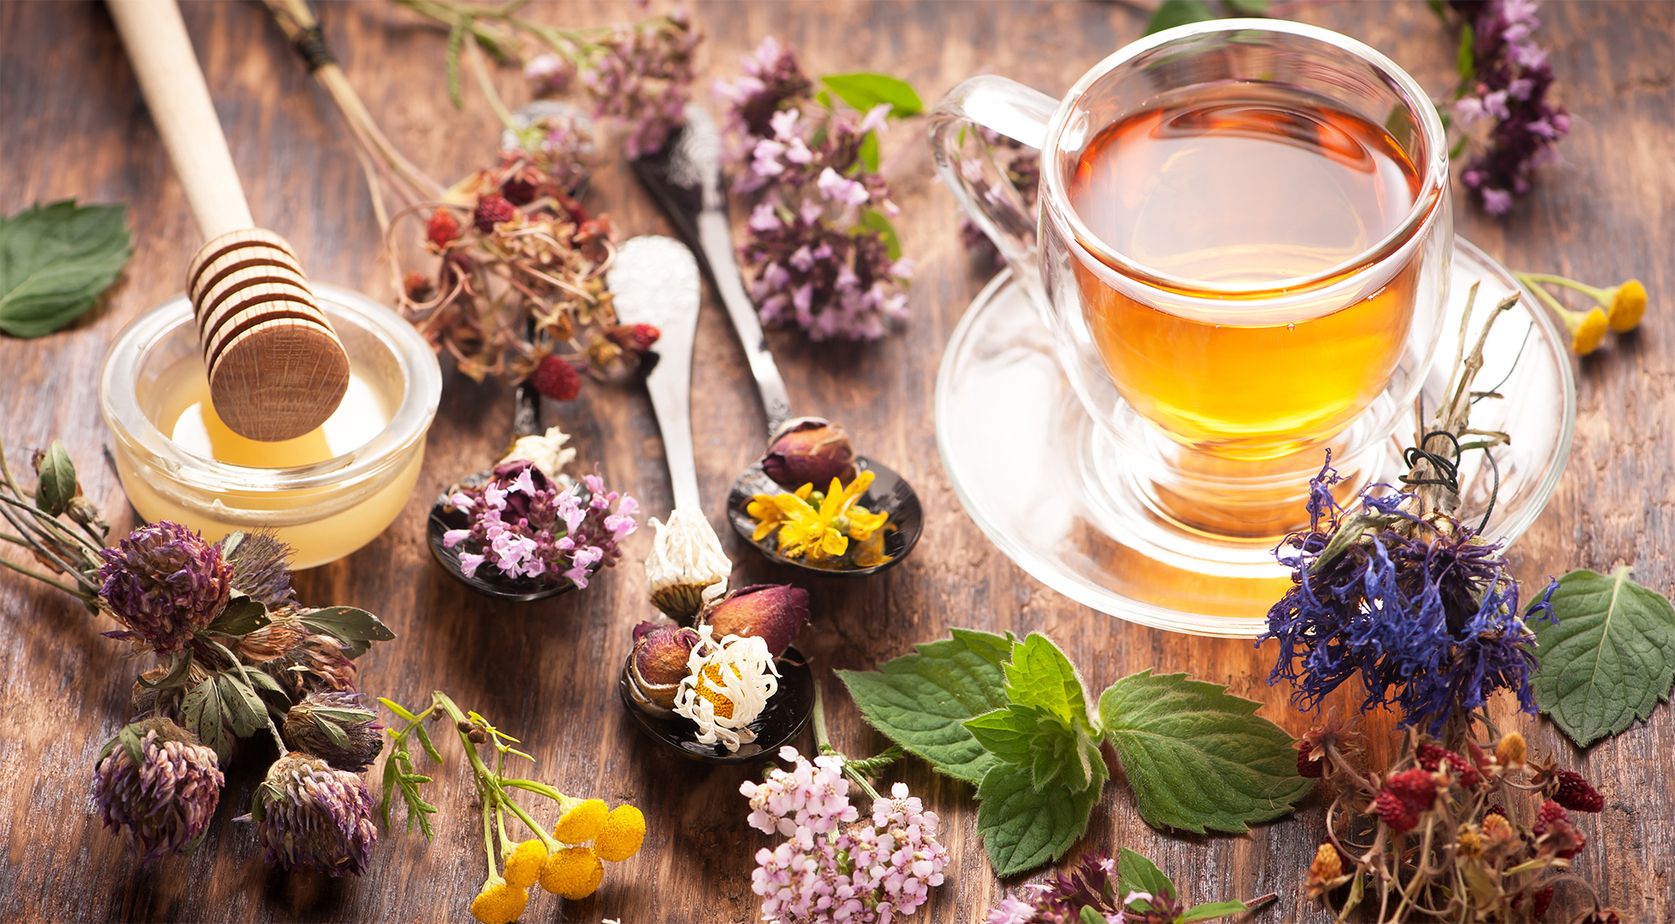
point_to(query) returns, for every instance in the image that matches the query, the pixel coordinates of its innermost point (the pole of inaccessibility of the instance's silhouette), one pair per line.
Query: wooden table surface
(72, 124)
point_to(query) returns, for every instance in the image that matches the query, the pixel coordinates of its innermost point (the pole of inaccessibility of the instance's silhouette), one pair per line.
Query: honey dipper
(276, 367)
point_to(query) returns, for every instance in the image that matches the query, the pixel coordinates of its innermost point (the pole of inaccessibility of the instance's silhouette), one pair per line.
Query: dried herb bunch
(231, 655)
(1476, 834)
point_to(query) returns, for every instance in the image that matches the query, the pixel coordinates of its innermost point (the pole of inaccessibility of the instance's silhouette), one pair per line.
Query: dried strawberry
(636, 337)
(493, 209)
(556, 379)
(1539, 902)
(1431, 756)
(442, 229)
(1395, 811)
(1308, 765)
(1415, 787)
(1576, 793)
(1561, 837)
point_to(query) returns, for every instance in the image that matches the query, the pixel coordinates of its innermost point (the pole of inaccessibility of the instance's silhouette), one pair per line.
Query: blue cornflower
(1419, 607)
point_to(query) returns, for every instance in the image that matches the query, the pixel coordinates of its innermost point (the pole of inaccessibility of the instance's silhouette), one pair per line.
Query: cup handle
(1008, 108)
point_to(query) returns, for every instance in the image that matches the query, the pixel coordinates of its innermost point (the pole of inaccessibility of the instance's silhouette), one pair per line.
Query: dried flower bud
(686, 566)
(315, 664)
(639, 338)
(156, 782)
(556, 379)
(546, 451)
(1310, 764)
(1554, 832)
(809, 450)
(1510, 750)
(442, 229)
(1325, 871)
(309, 815)
(164, 583)
(657, 664)
(337, 728)
(1628, 305)
(774, 613)
(492, 209)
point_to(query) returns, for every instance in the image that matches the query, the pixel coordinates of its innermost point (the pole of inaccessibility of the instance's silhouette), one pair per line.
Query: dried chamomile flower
(547, 451)
(728, 684)
(686, 566)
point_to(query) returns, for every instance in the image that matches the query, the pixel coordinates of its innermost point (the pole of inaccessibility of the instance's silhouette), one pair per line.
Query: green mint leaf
(1209, 911)
(867, 153)
(1031, 737)
(1608, 659)
(1465, 61)
(864, 91)
(1172, 13)
(55, 480)
(1089, 915)
(1038, 674)
(1247, 7)
(1135, 873)
(55, 262)
(1197, 757)
(921, 701)
(203, 713)
(1023, 828)
(241, 616)
(877, 222)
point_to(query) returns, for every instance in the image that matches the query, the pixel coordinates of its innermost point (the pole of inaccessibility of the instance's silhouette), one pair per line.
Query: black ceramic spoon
(685, 179)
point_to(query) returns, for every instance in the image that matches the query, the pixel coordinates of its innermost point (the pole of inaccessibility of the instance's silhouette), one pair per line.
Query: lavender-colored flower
(817, 243)
(1422, 610)
(642, 74)
(309, 815)
(526, 527)
(155, 781)
(834, 863)
(337, 728)
(261, 568)
(1090, 884)
(1508, 91)
(164, 583)
(1020, 166)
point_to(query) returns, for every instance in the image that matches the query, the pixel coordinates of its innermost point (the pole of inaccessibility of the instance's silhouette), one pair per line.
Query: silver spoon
(685, 179)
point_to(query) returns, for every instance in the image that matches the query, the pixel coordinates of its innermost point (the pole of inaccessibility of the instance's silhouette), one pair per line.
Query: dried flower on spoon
(568, 862)
(820, 248)
(525, 526)
(827, 529)
(687, 567)
(234, 656)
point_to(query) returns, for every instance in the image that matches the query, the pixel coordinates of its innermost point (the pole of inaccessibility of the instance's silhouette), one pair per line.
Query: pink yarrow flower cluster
(836, 864)
(526, 527)
(818, 245)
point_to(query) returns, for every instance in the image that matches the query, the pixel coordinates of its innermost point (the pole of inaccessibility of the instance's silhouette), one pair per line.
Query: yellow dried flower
(523, 865)
(1470, 841)
(625, 831)
(581, 822)
(1496, 829)
(1324, 871)
(1587, 331)
(1628, 304)
(572, 873)
(499, 903)
(1509, 752)
(815, 526)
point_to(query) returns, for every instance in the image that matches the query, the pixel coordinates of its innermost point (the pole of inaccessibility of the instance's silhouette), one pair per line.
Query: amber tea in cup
(1231, 194)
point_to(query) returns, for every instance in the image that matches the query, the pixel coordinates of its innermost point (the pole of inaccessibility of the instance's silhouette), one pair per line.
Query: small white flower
(686, 567)
(736, 670)
(548, 453)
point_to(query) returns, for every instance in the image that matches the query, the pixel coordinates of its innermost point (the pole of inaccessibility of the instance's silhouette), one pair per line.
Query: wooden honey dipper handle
(276, 367)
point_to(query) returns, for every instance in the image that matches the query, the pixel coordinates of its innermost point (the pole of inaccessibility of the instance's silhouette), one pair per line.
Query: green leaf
(1247, 7)
(245, 710)
(355, 628)
(203, 714)
(1023, 828)
(241, 616)
(1031, 737)
(1197, 757)
(1608, 659)
(921, 701)
(1090, 916)
(1038, 674)
(1172, 13)
(867, 153)
(875, 221)
(55, 262)
(864, 91)
(55, 482)
(1464, 60)
(1211, 910)
(1135, 873)
(263, 682)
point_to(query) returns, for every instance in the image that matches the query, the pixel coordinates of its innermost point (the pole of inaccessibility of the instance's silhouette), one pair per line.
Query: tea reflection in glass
(1240, 195)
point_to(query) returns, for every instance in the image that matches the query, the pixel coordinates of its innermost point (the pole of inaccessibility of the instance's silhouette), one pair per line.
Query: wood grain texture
(72, 124)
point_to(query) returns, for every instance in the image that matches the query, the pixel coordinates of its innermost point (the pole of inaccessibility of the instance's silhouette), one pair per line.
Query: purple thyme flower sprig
(1090, 884)
(525, 526)
(1019, 165)
(817, 243)
(835, 863)
(642, 75)
(1421, 609)
(1507, 93)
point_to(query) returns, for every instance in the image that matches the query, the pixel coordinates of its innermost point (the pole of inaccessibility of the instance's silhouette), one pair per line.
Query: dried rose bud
(657, 664)
(809, 450)
(156, 782)
(309, 815)
(337, 728)
(775, 613)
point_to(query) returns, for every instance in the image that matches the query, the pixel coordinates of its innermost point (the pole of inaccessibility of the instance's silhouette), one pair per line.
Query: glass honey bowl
(325, 494)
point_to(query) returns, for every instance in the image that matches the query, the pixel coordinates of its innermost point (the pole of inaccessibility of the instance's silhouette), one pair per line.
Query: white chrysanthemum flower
(727, 685)
(547, 451)
(687, 567)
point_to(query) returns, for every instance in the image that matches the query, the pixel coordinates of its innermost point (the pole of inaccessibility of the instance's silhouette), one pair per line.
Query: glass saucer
(1028, 462)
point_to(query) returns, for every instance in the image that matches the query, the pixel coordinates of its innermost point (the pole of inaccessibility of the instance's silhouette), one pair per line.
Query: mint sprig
(1608, 659)
(1012, 716)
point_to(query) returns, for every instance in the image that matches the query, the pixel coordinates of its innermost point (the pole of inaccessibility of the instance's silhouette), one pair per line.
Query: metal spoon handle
(715, 242)
(670, 386)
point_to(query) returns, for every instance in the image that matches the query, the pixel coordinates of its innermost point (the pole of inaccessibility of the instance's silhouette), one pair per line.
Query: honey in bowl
(1238, 195)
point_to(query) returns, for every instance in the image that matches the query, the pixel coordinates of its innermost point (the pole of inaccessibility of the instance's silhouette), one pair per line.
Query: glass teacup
(1241, 247)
